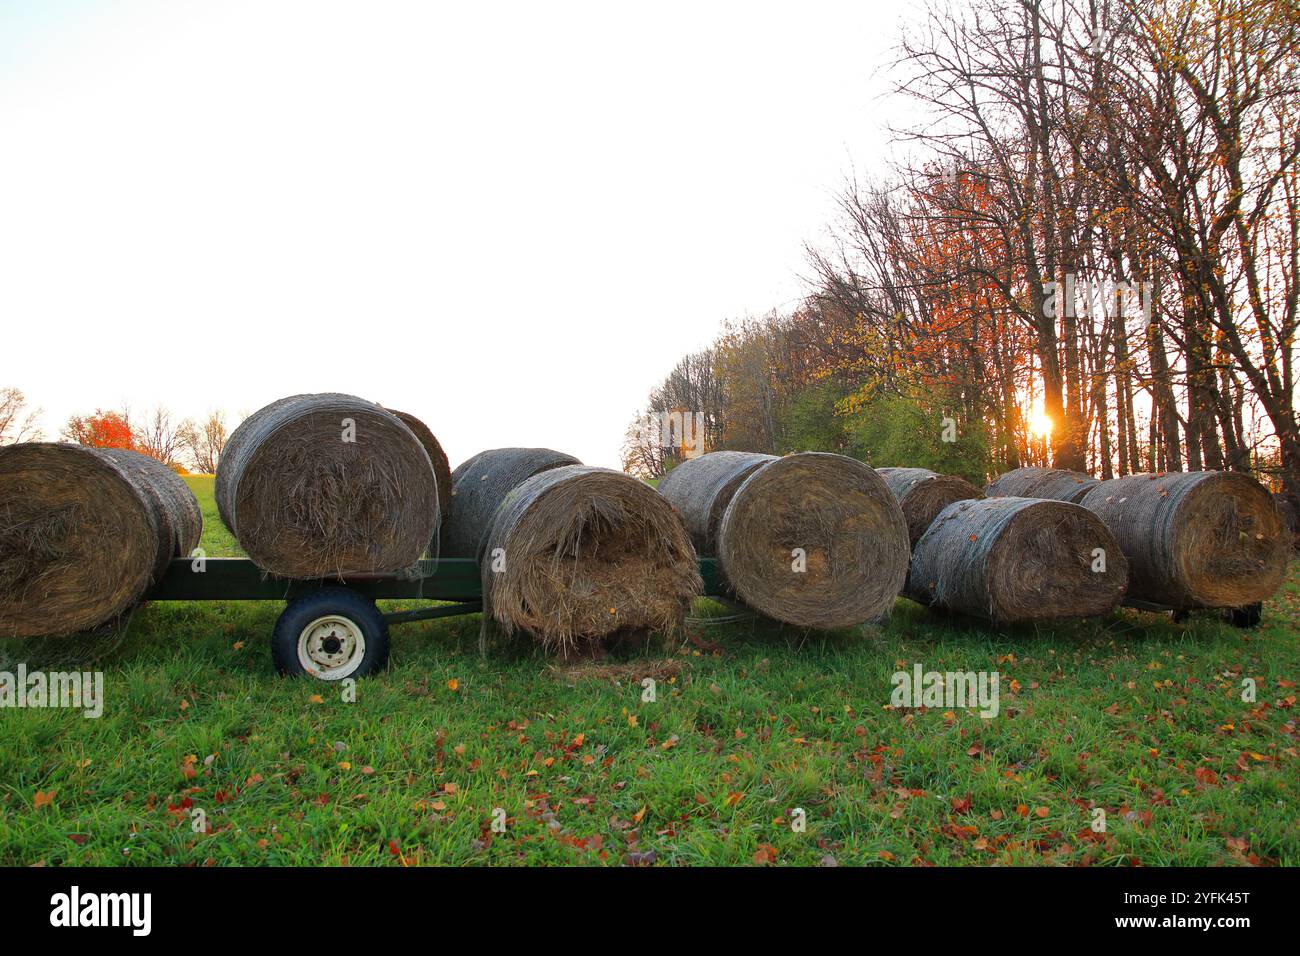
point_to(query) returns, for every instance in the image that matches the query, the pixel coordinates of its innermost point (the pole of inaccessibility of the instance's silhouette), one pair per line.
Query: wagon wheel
(331, 634)
(1248, 616)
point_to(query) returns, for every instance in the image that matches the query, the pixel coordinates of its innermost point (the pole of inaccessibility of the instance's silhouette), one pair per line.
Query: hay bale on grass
(304, 501)
(1012, 560)
(480, 484)
(922, 494)
(84, 534)
(1210, 539)
(587, 552)
(1290, 514)
(812, 539)
(1056, 484)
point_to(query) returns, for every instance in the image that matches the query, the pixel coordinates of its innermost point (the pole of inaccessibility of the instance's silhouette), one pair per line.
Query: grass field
(1136, 715)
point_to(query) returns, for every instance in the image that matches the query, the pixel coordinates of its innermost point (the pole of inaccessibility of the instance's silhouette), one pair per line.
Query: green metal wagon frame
(332, 629)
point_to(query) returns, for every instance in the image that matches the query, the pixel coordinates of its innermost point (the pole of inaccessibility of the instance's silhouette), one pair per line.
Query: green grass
(1134, 714)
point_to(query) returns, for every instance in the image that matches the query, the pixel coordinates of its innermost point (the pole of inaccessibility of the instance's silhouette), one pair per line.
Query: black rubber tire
(344, 602)
(1245, 617)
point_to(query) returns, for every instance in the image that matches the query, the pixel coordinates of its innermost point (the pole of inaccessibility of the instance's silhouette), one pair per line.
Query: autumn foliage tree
(102, 429)
(1089, 251)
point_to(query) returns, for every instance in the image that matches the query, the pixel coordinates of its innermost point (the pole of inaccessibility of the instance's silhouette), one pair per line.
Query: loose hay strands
(304, 502)
(1056, 484)
(701, 488)
(84, 533)
(480, 484)
(1012, 560)
(1195, 539)
(836, 511)
(441, 467)
(922, 494)
(588, 553)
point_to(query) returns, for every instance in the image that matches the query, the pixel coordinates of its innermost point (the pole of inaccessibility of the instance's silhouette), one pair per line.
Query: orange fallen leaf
(43, 798)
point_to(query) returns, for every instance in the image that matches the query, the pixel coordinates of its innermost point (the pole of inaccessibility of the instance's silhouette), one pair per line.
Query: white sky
(510, 219)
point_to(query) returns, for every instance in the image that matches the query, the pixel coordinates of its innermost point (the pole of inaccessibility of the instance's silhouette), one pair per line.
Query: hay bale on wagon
(922, 494)
(1012, 560)
(834, 511)
(1210, 539)
(480, 484)
(1057, 484)
(441, 466)
(176, 511)
(84, 534)
(701, 488)
(307, 496)
(585, 553)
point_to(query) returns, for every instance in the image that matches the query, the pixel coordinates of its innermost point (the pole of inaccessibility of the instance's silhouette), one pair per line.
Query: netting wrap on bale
(1195, 539)
(812, 539)
(175, 509)
(922, 494)
(314, 486)
(84, 534)
(441, 467)
(480, 484)
(701, 488)
(575, 554)
(1012, 560)
(1057, 484)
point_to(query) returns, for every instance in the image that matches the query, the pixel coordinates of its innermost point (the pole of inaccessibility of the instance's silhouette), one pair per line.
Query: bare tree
(205, 442)
(17, 421)
(158, 436)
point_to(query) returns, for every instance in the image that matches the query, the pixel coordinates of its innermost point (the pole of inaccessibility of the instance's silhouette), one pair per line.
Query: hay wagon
(332, 629)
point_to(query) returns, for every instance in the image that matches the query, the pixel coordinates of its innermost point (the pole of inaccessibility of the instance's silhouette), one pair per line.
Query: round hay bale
(84, 534)
(480, 484)
(441, 467)
(176, 511)
(701, 488)
(1290, 514)
(308, 496)
(585, 553)
(1209, 539)
(1057, 484)
(812, 539)
(922, 494)
(1012, 560)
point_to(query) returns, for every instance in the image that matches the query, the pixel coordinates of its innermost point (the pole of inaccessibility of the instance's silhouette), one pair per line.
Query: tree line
(1090, 258)
(182, 444)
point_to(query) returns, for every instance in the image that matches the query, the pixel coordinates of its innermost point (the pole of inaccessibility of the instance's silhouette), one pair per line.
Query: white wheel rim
(331, 647)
